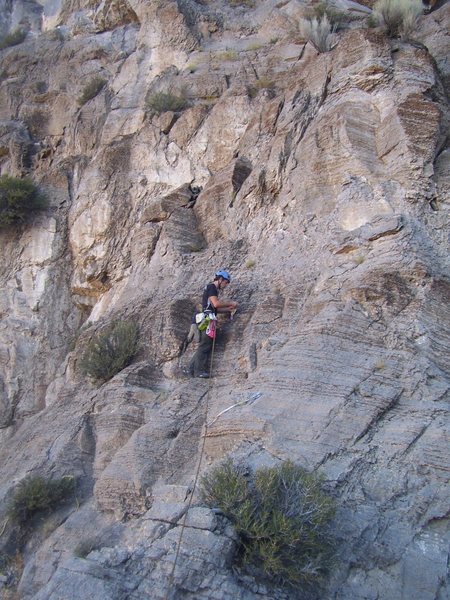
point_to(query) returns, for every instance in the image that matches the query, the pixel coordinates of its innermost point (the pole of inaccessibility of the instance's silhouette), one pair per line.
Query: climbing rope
(197, 473)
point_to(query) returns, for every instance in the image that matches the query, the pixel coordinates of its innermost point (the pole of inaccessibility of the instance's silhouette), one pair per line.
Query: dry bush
(12, 39)
(161, 102)
(37, 122)
(398, 17)
(226, 55)
(319, 32)
(243, 3)
(92, 89)
(86, 546)
(262, 83)
(338, 18)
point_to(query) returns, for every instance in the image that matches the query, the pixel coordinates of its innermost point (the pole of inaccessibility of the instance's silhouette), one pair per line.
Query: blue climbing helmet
(223, 274)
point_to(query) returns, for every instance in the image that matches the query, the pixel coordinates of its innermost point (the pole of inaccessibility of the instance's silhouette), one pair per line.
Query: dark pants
(200, 360)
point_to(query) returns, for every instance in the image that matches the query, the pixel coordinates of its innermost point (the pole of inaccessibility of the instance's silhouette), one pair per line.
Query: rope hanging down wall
(197, 473)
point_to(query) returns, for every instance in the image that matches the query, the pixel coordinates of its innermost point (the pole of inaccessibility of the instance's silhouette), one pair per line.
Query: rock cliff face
(324, 189)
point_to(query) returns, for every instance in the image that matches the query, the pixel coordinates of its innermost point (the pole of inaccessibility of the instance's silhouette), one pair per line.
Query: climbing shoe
(203, 375)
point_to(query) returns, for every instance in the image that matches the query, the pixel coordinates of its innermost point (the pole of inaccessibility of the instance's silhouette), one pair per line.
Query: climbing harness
(197, 473)
(205, 319)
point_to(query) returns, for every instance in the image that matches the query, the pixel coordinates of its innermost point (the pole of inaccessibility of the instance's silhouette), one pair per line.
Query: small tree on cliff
(19, 199)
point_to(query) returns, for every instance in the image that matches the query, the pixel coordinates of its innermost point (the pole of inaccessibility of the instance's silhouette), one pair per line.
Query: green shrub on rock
(12, 39)
(281, 516)
(92, 89)
(86, 546)
(161, 102)
(19, 198)
(242, 3)
(111, 351)
(35, 494)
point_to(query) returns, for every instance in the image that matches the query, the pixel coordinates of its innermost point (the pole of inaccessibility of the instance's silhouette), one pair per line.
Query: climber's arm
(222, 306)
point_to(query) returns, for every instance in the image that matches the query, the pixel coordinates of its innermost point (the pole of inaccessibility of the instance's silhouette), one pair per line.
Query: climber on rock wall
(206, 322)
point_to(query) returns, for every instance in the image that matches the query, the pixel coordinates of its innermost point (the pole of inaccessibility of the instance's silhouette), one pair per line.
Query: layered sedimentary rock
(321, 182)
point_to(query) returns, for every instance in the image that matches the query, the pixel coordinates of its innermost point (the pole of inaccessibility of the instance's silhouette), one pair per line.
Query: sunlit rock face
(321, 182)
